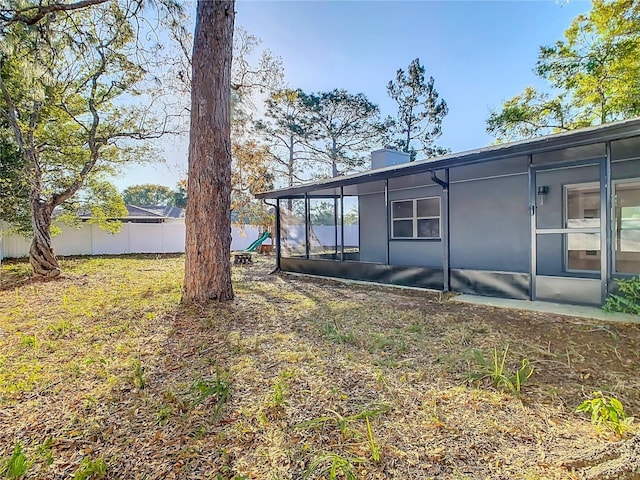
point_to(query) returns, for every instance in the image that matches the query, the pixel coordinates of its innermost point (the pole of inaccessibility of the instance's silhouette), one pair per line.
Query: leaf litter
(296, 378)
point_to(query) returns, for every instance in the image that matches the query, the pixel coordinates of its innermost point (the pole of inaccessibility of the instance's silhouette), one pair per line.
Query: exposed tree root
(617, 461)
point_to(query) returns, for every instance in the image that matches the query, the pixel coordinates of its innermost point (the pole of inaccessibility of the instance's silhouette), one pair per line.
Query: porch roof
(558, 141)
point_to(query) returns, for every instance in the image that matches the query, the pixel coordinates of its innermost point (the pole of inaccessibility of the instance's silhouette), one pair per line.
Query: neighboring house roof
(165, 211)
(136, 213)
(573, 138)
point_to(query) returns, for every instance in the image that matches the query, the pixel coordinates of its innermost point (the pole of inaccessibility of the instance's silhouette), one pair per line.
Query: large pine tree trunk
(41, 255)
(208, 216)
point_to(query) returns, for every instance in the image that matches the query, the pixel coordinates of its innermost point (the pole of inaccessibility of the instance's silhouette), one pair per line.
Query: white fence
(146, 238)
(133, 238)
(152, 238)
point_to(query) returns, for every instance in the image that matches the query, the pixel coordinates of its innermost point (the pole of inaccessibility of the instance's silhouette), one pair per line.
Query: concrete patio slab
(593, 313)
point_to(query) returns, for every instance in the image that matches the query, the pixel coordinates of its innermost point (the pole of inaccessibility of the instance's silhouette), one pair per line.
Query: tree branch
(26, 16)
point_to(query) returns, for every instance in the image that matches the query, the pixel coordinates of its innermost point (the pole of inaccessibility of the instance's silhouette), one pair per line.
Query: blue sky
(480, 53)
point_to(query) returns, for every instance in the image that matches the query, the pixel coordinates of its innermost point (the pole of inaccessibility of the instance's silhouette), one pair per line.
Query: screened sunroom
(554, 218)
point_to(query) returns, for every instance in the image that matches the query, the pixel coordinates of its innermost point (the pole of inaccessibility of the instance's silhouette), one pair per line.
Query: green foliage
(44, 450)
(595, 69)
(139, 377)
(627, 298)
(335, 466)
(62, 108)
(420, 111)
(163, 415)
(17, 465)
(91, 469)
(219, 388)
(148, 195)
(375, 452)
(285, 128)
(250, 174)
(14, 188)
(280, 389)
(606, 411)
(343, 129)
(334, 334)
(498, 374)
(180, 194)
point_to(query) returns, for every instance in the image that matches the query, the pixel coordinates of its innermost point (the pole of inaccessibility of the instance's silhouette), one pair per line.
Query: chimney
(387, 157)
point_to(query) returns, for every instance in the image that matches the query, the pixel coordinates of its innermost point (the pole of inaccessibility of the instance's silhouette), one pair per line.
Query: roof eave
(575, 138)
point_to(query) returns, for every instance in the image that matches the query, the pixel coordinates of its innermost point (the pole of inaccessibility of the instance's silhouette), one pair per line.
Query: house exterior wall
(489, 216)
(421, 253)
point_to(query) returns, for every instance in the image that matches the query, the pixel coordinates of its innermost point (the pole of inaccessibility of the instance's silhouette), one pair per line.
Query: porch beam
(606, 234)
(386, 209)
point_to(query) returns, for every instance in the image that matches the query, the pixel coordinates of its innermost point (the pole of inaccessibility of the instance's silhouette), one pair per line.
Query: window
(583, 211)
(416, 218)
(627, 226)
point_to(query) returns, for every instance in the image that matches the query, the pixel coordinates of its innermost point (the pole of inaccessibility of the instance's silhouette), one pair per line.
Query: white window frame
(565, 221)
(614, 239)
(414, 218)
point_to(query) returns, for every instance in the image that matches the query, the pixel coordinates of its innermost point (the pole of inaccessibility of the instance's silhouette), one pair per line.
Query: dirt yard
(104, 375)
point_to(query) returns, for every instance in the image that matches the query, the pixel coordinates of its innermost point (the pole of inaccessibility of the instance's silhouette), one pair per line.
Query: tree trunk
(208, 216)
(41, 255)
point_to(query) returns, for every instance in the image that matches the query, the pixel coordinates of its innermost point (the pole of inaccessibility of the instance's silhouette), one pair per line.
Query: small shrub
(17, 465)
(627, 298)
(606, 411)
(496, 371)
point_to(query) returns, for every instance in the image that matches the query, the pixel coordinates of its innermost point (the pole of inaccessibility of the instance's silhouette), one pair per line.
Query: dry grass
(296, 378)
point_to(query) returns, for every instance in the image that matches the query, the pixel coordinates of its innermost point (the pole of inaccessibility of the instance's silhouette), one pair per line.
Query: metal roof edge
(556, 141)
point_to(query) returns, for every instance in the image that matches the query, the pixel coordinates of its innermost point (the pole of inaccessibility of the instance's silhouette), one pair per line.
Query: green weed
(91, 469)
(497, 373)
(626, 299)
(375, 453)
(45, 452)
(163, 415)
(17, 465)
(139, 377)
(336, 466)
(60, 328)
(219, 387)
(280, 389)
(606, 411)
(28, 341)
(333, 334)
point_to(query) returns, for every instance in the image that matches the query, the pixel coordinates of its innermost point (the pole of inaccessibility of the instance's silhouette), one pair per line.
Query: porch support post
(386, 209)
(342, 224)
(444, 225)
(533, 210)
(277, 233)
(335, 226)
(307, 224)
(446, 269)
(606, 236)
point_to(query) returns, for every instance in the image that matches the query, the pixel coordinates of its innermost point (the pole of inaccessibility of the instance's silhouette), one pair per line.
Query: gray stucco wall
(489, 218)
(489, 221)
(422, 253)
